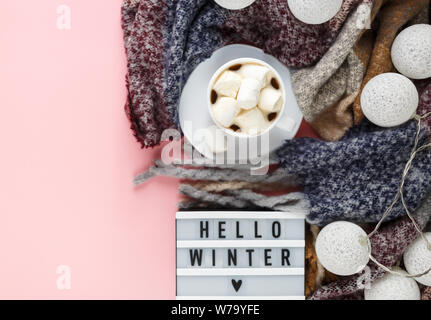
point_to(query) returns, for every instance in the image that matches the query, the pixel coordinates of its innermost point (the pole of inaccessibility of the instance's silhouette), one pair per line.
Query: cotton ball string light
(393, 287)
(411, 52)
(389, 100)
(342, 248)
(234, 4)
(417, 259)
(314, 11)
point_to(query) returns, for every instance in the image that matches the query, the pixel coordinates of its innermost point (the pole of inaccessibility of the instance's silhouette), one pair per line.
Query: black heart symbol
(236, 284)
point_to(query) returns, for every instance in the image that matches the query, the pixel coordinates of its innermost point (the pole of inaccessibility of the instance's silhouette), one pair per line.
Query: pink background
(68, 159)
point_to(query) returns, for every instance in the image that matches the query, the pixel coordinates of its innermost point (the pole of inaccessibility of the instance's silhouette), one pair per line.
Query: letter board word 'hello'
(227, 255)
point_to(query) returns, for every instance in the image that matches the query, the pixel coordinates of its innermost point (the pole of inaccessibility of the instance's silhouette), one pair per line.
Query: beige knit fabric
(236, 185)
(329, 92)
(392, 18)
(338, 94)
(326, 91)
(336, 119)
(321, 86)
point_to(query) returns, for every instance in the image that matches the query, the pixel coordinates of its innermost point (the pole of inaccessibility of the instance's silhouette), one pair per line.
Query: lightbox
(240, 255)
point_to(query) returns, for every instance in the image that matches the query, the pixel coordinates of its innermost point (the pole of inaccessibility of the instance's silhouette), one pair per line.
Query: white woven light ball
(342, 248)
(411, 51)
(417, 259)
(234, 4)
(393, 287)
(314, 11)
(389, 99)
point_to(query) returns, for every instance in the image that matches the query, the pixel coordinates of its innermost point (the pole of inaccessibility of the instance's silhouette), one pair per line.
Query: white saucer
(193, 103)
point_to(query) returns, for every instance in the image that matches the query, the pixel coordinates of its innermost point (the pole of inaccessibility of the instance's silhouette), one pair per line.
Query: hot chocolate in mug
(276, 119)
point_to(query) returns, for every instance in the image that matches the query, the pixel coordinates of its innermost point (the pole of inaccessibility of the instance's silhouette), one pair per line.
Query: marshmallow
(225, 110)
(215, 139)
(252, 121)
(259, 73)
(228, 84)
(270, 100)
(248, 94)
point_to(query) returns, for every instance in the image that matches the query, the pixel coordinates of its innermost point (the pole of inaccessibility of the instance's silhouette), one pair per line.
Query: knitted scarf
(329, 92)
(388, 246)
(354, 177)
(357, 178)
(166, 39)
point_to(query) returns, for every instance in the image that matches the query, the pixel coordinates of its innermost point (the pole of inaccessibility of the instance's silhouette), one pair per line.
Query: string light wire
(400, 194)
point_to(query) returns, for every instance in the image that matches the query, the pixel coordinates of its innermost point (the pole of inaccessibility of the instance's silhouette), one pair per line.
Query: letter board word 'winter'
(226, 255)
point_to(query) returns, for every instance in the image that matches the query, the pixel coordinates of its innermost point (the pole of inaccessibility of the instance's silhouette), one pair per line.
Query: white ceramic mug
(282, 121)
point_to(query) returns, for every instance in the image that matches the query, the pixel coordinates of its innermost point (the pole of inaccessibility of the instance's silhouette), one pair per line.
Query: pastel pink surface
(68, 159)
